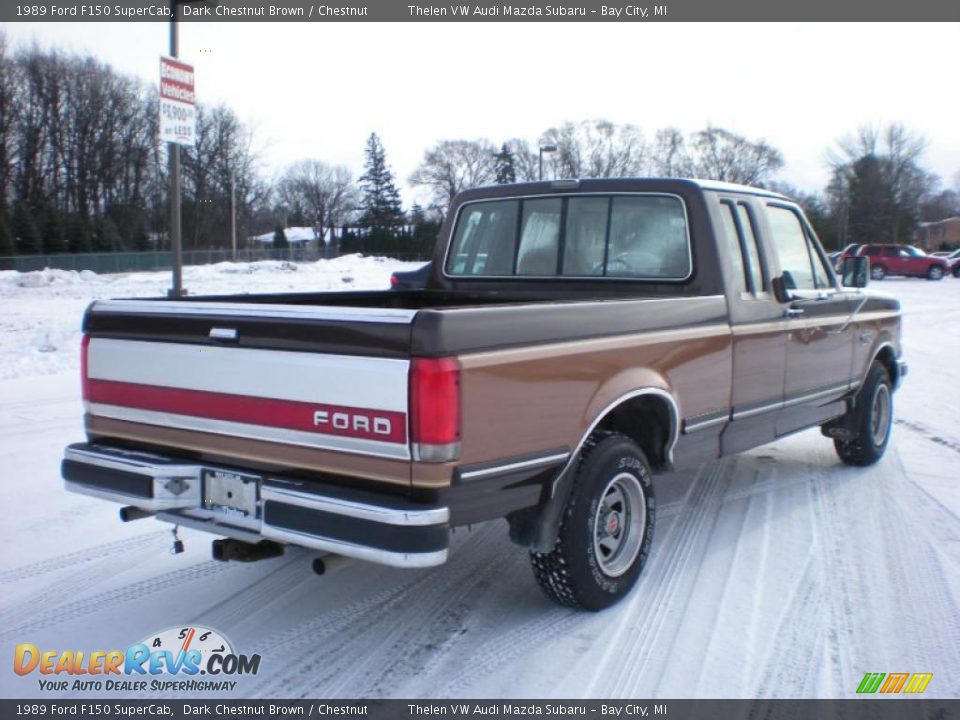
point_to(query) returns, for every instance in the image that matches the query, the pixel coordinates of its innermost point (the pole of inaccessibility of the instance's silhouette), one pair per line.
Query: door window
(800, 261)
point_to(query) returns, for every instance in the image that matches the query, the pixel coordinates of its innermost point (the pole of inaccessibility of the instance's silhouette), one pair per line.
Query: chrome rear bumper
(363, 525)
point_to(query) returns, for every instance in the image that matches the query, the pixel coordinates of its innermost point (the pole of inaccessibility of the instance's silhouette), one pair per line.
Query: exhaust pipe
(230, 549)
(131, 513)
(326, 564)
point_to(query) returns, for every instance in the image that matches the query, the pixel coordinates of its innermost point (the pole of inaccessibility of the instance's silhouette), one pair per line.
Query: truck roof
(612, 184)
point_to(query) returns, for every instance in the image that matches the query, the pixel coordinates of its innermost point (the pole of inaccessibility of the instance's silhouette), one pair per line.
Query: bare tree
(8, 117)
(323, 195)
(451, 166)
(719, 154)
(595, 148)
(670, 156)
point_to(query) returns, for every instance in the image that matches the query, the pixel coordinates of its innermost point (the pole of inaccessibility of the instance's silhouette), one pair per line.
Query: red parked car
(903, 260)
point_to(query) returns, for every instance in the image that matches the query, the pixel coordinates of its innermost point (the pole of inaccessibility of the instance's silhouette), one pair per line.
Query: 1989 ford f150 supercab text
(573, 339)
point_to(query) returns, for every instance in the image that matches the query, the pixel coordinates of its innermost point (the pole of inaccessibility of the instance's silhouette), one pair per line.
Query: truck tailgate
(281, 386)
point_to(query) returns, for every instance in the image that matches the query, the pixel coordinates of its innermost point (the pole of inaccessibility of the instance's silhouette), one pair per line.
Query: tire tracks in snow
(839, 580)
(84, 569)
(913, 546)
(112, 598)
(338, 651)
(929, 434)
(795, 649)
(117, 547)
(656, 609)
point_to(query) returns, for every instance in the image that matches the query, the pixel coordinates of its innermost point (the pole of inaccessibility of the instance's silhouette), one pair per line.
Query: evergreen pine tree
(505, 166)
(417, 215)
(280, 239)
(107, 238)
(6, 234)
(381, 200)
(141, 240)
(78, 235)
(52, 232)
(26, 236)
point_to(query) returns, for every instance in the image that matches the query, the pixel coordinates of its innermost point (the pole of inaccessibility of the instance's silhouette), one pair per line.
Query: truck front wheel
(872, 419)
(607, 528)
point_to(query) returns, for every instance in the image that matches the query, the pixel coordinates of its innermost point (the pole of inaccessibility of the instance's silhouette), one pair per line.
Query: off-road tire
(935, 273)
(874, 398)
(575, 573)
(878, 272)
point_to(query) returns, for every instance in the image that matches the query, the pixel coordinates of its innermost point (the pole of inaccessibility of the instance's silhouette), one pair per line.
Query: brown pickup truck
(573, 339)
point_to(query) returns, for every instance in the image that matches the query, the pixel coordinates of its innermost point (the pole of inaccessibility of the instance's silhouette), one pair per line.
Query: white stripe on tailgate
(373, 383)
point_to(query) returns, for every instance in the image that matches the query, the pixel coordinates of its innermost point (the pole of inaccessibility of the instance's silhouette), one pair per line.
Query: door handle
(792, 312)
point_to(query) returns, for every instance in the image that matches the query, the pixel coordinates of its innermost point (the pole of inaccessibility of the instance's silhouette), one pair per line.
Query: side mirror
(856, 271)
(782, 286)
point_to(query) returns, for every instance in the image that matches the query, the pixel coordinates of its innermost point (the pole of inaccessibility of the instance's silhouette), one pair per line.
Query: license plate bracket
(231, 493)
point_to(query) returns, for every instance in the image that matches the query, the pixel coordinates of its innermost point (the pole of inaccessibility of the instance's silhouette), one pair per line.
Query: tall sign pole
(233, 214)
(178, 117)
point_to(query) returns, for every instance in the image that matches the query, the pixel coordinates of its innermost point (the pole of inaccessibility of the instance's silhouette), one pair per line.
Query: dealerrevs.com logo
(184, 659)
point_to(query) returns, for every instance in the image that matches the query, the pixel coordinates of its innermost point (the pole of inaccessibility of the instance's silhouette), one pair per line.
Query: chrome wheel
(880, 415)
(877, 272)
(619, 524)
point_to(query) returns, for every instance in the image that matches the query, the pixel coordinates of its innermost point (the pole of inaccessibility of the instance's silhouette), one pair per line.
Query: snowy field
(778, 573)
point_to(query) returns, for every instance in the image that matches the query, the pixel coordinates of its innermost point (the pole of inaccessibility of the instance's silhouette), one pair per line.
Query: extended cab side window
(731, 236)
(753, 247)
(795, 250)
(742, 247)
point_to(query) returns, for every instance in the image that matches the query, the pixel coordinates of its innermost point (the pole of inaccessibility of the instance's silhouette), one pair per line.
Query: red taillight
(394, 281)
(84, 350)
(435, 409)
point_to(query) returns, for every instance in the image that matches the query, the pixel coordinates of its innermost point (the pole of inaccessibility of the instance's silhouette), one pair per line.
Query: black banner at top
(478, 11)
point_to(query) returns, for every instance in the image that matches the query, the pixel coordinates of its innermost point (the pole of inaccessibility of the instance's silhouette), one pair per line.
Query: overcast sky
(313, 90)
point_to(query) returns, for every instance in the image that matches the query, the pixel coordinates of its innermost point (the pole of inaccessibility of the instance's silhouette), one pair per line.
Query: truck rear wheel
(607, 528)
(873, 418)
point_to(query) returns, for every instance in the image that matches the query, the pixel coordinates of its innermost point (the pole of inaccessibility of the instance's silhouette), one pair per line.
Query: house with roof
(939, 233)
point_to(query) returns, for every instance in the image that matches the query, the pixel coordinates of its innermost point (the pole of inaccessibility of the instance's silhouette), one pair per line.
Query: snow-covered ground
(778, 573)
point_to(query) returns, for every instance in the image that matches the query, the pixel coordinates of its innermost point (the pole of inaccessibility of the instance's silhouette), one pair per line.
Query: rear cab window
(642, 236)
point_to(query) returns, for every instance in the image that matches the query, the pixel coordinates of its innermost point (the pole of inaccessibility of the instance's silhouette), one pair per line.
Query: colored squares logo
(906, 683)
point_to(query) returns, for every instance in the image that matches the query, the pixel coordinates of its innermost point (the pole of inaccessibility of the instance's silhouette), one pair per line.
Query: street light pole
(233, 214)
(174, 153)
(543, 149)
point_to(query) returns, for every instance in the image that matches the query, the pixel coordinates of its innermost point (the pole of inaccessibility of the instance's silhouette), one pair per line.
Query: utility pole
(176, 245)
(233, 214)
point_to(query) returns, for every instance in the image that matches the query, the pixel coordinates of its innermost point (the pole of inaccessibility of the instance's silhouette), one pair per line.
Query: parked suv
(903, 260)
